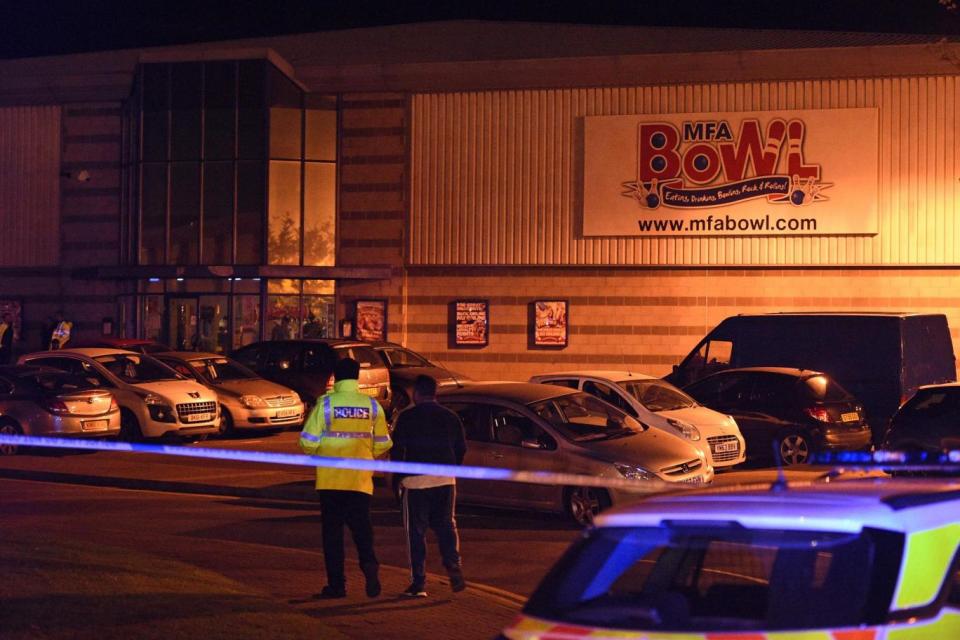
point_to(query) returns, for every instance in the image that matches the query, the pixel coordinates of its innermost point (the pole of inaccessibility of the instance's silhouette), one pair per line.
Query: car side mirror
(531, 444)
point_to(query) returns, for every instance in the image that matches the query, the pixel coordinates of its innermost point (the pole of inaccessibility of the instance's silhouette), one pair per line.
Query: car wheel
(226, 423)
(584, 503)
(10, 429)
(129, 427)
(795, 448)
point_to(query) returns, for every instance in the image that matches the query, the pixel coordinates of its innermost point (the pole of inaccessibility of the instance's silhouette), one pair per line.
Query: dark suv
(306, 366)
(800, 411)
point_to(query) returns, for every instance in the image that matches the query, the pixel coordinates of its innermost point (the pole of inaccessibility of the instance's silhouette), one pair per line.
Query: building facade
(487, 194)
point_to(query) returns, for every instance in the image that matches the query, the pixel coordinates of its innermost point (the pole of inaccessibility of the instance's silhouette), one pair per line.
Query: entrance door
(213, 331)
(182, 323)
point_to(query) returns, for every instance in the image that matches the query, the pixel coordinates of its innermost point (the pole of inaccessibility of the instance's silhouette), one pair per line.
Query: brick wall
(644, 320)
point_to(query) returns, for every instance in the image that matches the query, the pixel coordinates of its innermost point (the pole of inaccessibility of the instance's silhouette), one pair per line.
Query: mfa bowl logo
(703, 164)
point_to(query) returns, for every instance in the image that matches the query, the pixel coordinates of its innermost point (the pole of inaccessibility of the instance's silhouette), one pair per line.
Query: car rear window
(824, 389)
(366, 356)
(56, 383)
(720, 578)
(933, 404)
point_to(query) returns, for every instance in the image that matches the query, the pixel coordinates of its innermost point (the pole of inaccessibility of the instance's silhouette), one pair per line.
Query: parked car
(39, 401)
(660, 404)
(881, 358)
(405, 366)
(138, 345)
(794, 410)
(247, 401)
(306, 365)
(867, 558)
(538, 427)
(155, 401)
(929, 421)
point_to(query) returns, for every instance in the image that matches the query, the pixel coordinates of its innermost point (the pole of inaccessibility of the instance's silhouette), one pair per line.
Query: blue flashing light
(154, 279)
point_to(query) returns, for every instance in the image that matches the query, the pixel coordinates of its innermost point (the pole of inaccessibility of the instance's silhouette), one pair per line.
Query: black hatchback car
(306, 366)
(929, 421)
(794, 412)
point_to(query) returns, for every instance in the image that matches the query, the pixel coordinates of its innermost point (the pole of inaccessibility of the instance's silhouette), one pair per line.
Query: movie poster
(371, 320)
(471, 320)
(550, 323)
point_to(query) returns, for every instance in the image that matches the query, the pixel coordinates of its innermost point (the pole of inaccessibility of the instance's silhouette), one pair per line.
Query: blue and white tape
(385, 466)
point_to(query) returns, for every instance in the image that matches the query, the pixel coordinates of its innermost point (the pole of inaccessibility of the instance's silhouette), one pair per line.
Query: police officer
(346, 424)
(61, 332)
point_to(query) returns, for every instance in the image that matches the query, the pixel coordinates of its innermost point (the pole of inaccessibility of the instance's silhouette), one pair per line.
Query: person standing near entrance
(346, 424)
(6, 339)
(61, 332)
(430, 433)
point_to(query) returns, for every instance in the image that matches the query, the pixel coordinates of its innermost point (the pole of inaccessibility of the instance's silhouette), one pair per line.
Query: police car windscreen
(697, 578)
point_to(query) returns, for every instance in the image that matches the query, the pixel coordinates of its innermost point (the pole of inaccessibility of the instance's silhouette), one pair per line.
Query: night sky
(49, 27)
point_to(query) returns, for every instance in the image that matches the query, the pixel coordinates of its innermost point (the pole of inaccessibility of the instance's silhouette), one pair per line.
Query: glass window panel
(218, 213)
(186, 84)
(184, 213)
(156, 95)
(250, 197)
(284, 92)
(320, 319)
(220, 85)
(320, 211)
(246, 285)
(246, 320)
(251, 126)
(213, 334)
(219, 133)
(323, 287)
(321, 135)
(285, 133)
(283, 285)
(153, 318)
(155, 138)
(153, 214)
(283, 240)
(283, 319)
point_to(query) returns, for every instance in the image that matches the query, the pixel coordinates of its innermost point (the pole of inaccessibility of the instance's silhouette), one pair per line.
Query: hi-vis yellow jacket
(345, 424)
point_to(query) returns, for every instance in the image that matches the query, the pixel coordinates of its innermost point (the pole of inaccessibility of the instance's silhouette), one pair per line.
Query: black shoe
(414, 591)
(457, 583)
(370, 573)
(330, 593)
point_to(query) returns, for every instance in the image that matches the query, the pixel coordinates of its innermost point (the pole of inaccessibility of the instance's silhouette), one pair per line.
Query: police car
(851, 559)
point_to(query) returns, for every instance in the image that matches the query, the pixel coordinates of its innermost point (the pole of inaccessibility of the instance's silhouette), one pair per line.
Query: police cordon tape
(388, 466)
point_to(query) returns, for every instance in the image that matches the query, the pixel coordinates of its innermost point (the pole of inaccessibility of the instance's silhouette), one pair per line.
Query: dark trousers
(350, 508)
(431, 508)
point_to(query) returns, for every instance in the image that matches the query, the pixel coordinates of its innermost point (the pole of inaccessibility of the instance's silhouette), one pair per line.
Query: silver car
(37, 401)
(247, 401)
(538, 427)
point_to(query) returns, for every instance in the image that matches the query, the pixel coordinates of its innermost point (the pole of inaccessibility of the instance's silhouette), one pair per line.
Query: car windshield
(134, 369)
(580, 417)
(824, 389)
(220, 369)
(399, 358)
(657, 395)
(720, 577)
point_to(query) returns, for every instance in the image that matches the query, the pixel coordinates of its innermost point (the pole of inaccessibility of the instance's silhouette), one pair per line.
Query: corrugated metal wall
(494, 175)
(30, 186)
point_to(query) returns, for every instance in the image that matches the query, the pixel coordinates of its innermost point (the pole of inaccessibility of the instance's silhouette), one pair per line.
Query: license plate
(371, 391)
(725, 447)
(850, 416)
(286, 413)
(199, 417)
(95, 425)
(697, 480)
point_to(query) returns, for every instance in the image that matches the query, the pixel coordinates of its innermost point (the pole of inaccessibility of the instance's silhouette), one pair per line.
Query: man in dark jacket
(430, 433)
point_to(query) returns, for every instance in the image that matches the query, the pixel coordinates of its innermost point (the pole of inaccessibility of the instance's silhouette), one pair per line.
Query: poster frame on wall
(371, 306)
(537, 337)
(454, 339)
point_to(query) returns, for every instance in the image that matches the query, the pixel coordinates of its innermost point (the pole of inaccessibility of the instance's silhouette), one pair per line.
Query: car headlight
(688, 431)
(633, 472)
(253, 402)
(152, 398)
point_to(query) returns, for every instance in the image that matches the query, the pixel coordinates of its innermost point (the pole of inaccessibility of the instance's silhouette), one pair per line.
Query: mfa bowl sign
(721, 174)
